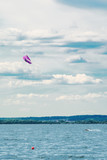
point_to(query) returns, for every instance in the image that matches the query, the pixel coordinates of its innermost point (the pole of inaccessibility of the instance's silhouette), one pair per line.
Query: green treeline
(79, 119)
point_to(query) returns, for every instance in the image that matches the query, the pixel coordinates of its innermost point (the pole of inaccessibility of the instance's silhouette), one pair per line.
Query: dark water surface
(53, 142)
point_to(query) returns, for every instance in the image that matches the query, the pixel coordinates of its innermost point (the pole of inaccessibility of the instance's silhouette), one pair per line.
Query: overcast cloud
(67, 43)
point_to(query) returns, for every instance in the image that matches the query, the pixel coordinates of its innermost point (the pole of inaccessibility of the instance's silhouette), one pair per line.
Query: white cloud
(56, 79)
(31, 95)
(17, 101)
(17, 68)
(37, 37)
(78, 79)
(11, 67)
(16, 37)
(22, 83)
(76, 59)
(27, 99)
(88, 96)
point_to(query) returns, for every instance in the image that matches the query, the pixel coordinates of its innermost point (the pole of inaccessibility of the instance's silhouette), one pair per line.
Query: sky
(66, 41)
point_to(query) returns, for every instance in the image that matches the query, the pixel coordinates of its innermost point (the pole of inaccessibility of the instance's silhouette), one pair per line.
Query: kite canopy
(27, 59)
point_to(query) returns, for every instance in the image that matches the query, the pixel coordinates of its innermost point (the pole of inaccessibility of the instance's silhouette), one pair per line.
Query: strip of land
(77, 119)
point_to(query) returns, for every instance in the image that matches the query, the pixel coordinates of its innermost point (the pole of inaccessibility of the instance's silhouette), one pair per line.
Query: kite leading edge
(27, 59)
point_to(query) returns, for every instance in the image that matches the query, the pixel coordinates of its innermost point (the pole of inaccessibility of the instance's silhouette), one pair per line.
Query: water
(53, 142)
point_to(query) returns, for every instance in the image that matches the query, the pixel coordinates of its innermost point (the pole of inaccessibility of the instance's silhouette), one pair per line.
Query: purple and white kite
(27, 59)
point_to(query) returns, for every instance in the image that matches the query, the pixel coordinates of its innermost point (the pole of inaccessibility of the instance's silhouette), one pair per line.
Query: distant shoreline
(77, 119)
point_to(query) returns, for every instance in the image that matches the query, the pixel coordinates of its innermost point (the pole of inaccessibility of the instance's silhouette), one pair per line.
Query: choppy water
(53, 142)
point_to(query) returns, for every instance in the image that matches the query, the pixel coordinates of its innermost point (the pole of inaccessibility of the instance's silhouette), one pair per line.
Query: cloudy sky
(67, 43)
